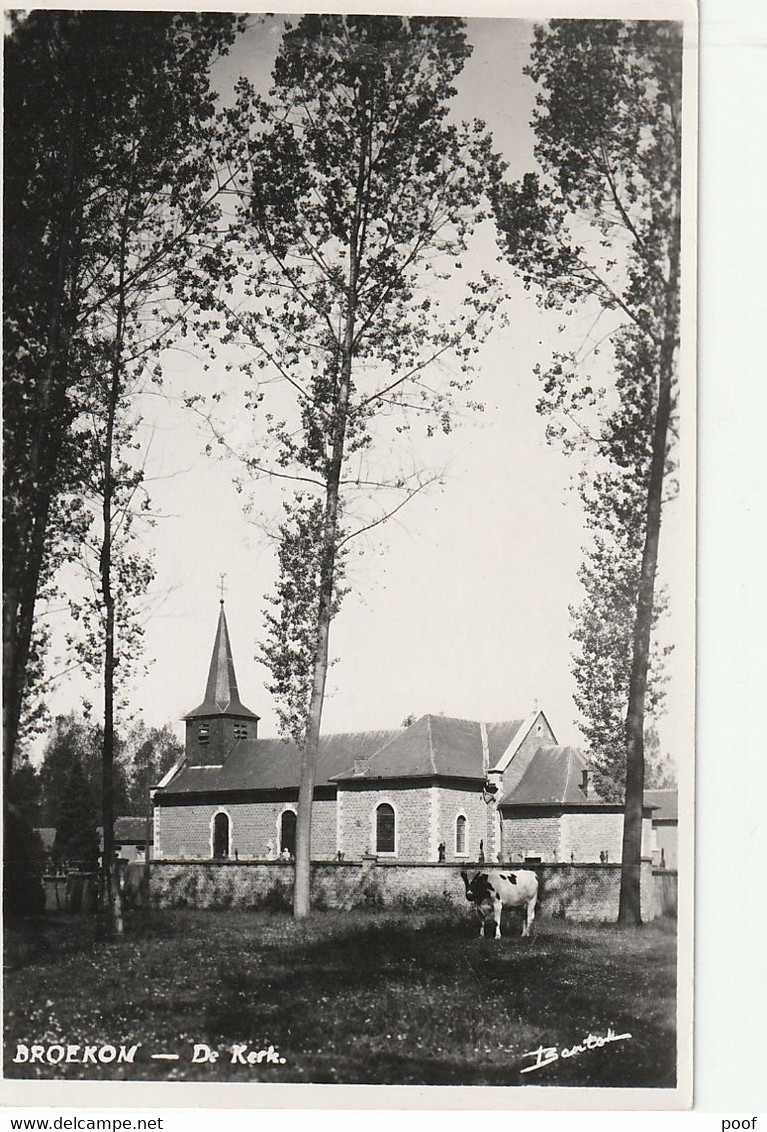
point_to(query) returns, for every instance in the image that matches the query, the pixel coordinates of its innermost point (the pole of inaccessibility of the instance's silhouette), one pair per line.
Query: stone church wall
(566, 835)
(586, 835)
(413, 806)
(185, 831)
(455, 800)
(532, 835)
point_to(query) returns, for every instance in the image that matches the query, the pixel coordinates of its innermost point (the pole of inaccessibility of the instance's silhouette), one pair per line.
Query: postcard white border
(236, 1095)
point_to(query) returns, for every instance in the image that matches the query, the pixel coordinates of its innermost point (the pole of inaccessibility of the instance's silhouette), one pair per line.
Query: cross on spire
(222, 576)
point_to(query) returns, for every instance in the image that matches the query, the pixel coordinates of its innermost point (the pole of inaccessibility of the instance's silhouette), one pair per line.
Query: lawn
(372, 998)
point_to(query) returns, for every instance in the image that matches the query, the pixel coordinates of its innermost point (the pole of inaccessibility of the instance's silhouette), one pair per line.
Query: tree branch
(388, 514)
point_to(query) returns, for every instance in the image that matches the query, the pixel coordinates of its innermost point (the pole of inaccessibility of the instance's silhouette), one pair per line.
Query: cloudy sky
(460, 604)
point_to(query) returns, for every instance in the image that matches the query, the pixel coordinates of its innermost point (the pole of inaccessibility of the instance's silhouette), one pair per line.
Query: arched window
(385, 828)
(460, 836)
(288, 832)
(221, 835)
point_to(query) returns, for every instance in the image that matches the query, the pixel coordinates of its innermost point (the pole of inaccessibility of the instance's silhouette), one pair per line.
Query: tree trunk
(13, 670)
(25, 528)
(25, 525)
(302, 880)
(110, 865)
(629, 909)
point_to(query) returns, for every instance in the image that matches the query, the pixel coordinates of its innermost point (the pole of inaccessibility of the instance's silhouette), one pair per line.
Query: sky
(459, 604)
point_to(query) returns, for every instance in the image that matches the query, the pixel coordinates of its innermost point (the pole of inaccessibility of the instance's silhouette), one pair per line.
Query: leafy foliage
(291, 645)
(597, 218)
(660, 771)
(77, 837)
(73, 739)
(22, 847)
(358, 203)
(594, 229)
(133, 108)
(603, 631)
(143, 755)
(24, 792)
(23, 893)
(105, 203)
(152, 751)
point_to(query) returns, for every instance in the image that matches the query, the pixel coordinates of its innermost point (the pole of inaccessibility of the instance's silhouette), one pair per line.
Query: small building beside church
(665, 824)
(133, 838)
(439, 789)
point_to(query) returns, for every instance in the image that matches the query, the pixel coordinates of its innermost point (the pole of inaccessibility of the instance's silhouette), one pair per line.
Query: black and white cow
(495, 890)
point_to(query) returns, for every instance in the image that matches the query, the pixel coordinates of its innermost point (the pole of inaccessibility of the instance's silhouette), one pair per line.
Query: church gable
(533, 733)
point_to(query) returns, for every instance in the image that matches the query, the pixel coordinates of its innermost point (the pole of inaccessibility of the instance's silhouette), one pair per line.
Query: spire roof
(221, 693)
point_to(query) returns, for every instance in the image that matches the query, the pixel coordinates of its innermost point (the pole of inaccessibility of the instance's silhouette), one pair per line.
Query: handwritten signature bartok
(547, 1055)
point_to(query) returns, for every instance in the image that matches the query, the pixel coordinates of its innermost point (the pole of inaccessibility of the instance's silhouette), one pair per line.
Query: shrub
(276, 899)
(23, 893)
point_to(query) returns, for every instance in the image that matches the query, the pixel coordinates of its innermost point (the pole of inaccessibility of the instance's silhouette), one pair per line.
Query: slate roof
(221, 694)
(500, 735)
(666, 801)
(273, 764)
(132, 829)
(436, 745)
(554, 778)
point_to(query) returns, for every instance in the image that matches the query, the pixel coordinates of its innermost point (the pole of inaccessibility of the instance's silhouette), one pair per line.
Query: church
(441, 788)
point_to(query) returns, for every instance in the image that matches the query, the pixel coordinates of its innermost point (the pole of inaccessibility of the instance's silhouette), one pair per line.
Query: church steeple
(221, 720)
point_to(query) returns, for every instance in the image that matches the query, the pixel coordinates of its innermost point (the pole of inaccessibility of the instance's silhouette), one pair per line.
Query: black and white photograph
(349, 436)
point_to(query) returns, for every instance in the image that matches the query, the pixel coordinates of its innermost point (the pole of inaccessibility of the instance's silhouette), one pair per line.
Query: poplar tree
(112, 195)
(99, 107)
(360, 201)
(597, 229)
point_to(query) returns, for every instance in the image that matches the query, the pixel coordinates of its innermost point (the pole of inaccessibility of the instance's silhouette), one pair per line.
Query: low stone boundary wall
(587, 892)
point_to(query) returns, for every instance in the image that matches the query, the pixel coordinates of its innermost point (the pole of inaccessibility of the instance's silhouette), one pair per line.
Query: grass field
(344, 998)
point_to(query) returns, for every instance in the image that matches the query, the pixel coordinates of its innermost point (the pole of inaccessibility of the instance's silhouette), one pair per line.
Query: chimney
(585, 783)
